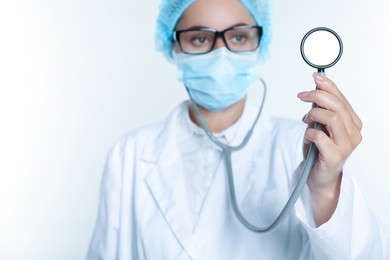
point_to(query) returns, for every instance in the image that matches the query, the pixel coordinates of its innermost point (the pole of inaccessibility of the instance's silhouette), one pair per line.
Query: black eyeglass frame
(218, 34)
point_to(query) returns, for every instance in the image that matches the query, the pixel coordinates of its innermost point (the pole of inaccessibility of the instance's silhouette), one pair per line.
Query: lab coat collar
(228, 134)
(179, 126)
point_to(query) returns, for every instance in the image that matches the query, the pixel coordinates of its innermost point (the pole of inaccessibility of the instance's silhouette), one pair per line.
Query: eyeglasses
(202, 40)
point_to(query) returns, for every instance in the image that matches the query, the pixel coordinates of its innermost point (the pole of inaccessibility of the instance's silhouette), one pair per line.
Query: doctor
(164, 192)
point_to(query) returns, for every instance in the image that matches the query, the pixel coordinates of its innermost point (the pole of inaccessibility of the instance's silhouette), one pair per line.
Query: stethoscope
(321, 48)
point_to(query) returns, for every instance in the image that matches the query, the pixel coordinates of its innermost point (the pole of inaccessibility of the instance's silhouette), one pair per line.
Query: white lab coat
(143, 213)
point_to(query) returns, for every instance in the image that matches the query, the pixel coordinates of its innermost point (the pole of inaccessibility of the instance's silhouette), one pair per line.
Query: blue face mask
(218, 79)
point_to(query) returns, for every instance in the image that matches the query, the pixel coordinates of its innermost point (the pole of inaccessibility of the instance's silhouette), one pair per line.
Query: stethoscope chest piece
(321, 48)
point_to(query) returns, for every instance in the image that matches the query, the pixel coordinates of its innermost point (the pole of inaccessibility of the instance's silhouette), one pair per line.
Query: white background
(76, 75)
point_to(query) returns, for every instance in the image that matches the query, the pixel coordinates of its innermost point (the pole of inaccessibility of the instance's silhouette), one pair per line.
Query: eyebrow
(201, 27)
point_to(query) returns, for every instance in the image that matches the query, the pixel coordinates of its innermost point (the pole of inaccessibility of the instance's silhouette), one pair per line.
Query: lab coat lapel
(167, 187)
(166, 184)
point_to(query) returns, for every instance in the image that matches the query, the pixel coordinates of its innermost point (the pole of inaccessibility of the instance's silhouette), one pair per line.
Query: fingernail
(318, 77)
(303, 94)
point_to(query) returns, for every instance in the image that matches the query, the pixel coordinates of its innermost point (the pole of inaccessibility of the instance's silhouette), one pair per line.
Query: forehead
(217, 14)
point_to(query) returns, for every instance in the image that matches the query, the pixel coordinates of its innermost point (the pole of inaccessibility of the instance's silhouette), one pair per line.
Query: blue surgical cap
(172, 10)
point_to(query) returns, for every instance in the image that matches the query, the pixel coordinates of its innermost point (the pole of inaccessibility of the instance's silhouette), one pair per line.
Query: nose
(219, 43)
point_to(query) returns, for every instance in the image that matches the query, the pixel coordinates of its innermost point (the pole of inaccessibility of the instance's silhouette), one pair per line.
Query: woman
(165, 192)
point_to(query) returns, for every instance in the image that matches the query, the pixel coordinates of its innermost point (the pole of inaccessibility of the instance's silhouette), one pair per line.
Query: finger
(331, 103)
(330, 155)
(325, 145)
(336, 127)
(329, 86)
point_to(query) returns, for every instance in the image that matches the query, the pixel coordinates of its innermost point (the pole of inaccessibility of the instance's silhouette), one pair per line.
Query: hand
(337, 140)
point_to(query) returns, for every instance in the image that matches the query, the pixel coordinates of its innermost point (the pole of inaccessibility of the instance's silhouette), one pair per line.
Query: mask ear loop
(228, 150)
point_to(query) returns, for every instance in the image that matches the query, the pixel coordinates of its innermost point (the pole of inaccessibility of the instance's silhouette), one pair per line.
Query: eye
(238, 38)
(200, 40)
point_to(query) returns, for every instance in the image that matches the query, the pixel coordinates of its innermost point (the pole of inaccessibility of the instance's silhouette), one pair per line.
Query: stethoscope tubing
(227, 152)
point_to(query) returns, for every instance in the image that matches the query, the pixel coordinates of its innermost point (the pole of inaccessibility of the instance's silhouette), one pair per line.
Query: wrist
(326, 190)
(324, 200)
